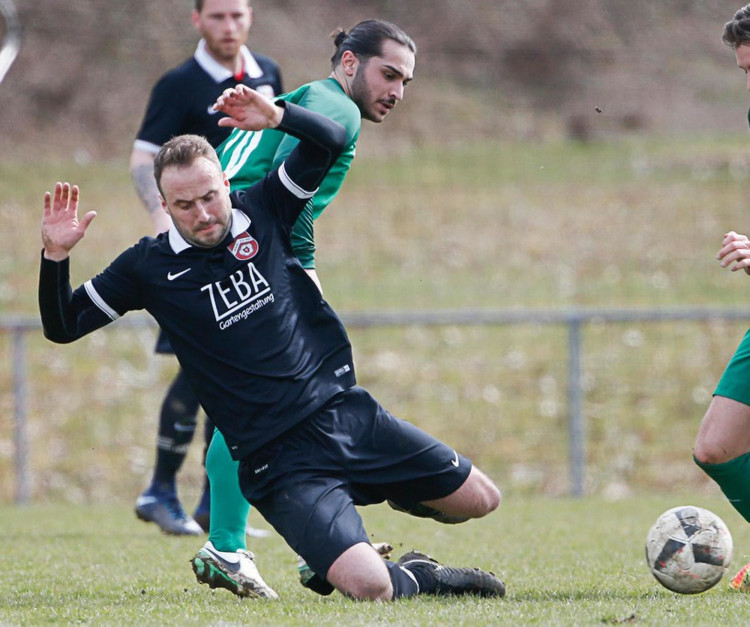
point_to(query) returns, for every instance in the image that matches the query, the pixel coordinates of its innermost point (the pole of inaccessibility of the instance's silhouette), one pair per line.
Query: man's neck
(339, 76)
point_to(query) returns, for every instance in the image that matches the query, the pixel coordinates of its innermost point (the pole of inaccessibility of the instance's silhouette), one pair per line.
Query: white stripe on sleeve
(99, 301)
(292, 186)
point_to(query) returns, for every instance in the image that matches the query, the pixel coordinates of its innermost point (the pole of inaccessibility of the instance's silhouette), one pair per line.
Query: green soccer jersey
(247, 156)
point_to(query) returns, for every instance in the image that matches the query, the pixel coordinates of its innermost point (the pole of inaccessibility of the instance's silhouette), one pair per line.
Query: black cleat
(434, 578)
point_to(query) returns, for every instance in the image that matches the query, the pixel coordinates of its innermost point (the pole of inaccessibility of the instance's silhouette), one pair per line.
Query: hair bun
(338, 37)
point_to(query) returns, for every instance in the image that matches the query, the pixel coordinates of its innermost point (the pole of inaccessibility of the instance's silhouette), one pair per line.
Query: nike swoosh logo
(232, 567)
(172, 277)
(454, 461)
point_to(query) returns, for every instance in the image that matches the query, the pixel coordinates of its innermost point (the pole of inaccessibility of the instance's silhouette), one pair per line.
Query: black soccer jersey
(182, 100)
(252, 332)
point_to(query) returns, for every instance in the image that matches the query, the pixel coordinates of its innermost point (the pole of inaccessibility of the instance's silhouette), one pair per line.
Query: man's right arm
(66, 315)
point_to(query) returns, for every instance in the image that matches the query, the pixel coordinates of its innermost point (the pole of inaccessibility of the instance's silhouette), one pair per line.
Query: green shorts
(735, 382)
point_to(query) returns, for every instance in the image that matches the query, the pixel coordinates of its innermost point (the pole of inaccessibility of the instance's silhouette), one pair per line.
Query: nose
(397, 91)
(229, 23)
(201, 212)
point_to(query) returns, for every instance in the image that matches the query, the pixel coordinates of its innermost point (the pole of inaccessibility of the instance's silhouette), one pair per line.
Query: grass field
(564, 562)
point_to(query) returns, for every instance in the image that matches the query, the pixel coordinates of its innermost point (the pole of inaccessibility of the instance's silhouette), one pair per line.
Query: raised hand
(61, 229)
(735, 252)
(247, 109)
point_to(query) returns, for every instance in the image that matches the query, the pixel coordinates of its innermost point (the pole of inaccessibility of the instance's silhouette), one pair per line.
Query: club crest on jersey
(244, 246)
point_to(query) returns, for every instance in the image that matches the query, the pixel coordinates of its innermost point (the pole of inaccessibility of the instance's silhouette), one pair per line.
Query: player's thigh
(312, 510)
(724, 432)
(388, 458)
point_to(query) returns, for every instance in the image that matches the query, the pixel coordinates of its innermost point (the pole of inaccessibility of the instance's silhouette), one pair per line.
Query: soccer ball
(688, 549)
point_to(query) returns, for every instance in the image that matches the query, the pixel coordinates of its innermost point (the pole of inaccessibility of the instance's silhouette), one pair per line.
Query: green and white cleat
(234, 571)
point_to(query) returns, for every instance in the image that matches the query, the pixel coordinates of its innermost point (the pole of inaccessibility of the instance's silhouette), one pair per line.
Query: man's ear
(349, 63)
(195, 16)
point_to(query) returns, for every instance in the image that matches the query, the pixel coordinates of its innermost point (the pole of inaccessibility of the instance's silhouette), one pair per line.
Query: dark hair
(366, 39)
(737, 30)
(182, 150)
(199, 5)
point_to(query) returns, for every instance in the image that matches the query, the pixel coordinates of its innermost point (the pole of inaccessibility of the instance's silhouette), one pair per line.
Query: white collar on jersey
(240, 223)
(217, 71)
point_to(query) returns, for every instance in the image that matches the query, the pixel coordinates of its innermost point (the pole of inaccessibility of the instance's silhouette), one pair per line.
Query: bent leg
(476, 497)
(229, 508)
(722, 450)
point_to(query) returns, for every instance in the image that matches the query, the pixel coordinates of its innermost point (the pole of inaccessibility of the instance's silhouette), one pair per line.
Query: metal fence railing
(573, 319)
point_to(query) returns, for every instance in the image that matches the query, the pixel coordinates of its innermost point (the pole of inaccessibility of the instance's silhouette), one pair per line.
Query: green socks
(733, 477)
(229, 508)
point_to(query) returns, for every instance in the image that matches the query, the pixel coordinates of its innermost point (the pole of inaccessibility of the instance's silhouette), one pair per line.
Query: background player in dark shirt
(269, 359)
(182, 102)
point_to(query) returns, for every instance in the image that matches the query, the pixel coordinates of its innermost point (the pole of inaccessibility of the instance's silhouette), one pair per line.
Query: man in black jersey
(269, 359)
(181, 102)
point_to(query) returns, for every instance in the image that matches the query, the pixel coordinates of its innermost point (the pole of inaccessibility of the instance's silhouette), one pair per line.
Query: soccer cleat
(234, 571)
(741, 581)
(314, 582)
(423, 511)
(165, 510)
(444, 580)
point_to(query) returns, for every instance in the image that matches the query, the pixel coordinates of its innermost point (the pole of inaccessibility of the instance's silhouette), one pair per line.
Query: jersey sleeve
(68, 314)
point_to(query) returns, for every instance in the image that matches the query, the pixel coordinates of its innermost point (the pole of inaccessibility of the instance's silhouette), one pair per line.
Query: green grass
(566, 562)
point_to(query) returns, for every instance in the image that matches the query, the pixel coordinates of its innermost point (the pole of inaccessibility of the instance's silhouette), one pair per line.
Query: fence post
(576, 424)
(19, 395)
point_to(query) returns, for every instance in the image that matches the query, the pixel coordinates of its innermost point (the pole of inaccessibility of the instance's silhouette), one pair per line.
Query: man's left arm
(321, 139)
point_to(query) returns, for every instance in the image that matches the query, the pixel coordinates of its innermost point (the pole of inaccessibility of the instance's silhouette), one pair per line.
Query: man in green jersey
(722, 448)
(372, 64)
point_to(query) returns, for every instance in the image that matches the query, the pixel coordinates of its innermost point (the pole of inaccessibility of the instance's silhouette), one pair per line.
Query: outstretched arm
(61, 229)
(247, 109)
(735, 252)
(66, 315)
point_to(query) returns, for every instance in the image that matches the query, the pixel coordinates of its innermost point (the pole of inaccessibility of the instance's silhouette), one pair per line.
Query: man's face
(196, 197)
(224, 24)
(379, 82)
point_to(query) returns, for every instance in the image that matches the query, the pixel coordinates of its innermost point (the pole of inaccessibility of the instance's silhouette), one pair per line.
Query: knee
(706, 453)
(372, 590)
(709, 450)
(490, 499)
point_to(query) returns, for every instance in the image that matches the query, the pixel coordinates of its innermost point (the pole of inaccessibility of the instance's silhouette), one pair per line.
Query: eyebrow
(397, 71)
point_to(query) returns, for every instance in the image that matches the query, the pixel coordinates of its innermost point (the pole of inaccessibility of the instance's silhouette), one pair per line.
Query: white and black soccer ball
(688, 549)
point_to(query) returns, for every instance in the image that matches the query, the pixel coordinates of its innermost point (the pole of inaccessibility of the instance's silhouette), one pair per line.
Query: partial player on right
(372, 64)
(722, 448)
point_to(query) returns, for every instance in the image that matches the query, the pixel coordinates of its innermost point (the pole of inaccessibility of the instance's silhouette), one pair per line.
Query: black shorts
(352, 452)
